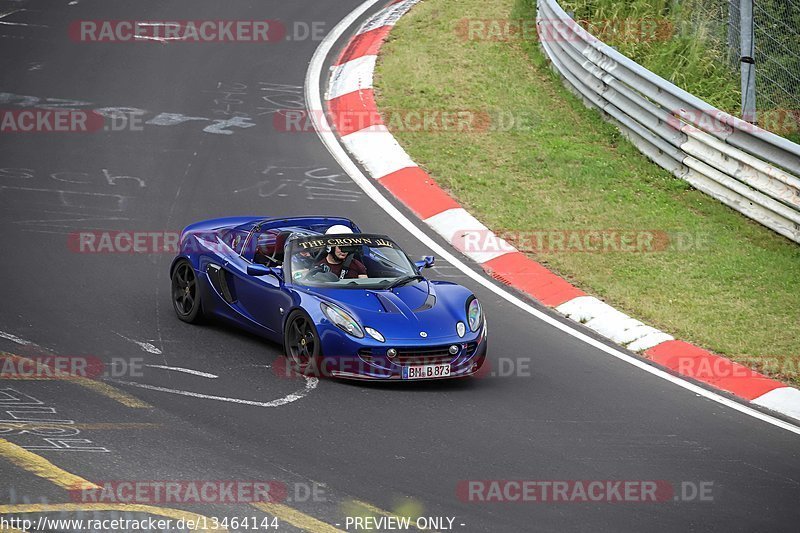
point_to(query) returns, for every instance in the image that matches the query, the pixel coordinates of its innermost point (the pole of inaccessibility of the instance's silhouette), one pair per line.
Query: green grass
(566, 169)
(692, 55)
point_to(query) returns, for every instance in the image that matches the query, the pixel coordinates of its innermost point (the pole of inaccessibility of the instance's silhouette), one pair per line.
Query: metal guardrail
(747, 168)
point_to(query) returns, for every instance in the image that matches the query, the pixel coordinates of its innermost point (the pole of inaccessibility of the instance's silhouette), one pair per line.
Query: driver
(341, 259)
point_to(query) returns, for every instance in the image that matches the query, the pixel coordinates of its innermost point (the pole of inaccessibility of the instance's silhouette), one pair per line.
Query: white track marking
(612, 323)
(378, 150)
(185, 371)
(354, 75)
(6, 23)
(329, 139)
(162, 40)
(784, 399)
(14, 338)
(146, 346)
(454, 224)
(311, 384)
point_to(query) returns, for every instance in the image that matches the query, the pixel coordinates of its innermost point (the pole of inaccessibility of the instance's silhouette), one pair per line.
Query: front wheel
(301, 342)
(186, 293)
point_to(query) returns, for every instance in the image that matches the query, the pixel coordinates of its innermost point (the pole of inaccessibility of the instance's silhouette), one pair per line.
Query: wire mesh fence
(699, 47)
(776, 38)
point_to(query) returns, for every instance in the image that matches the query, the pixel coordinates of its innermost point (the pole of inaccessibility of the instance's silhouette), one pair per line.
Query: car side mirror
(262, 270)
(425, 262)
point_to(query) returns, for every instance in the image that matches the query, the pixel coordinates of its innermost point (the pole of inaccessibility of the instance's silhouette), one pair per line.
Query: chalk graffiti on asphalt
(314, 183)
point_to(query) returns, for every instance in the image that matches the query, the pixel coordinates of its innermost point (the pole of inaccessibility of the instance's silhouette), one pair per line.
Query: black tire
(186, 293)
(301, 343)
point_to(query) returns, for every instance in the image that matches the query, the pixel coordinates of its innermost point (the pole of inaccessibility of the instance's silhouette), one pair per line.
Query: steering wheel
(316, 273)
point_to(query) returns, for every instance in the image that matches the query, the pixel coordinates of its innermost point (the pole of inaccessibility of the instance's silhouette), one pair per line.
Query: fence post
(747, 61)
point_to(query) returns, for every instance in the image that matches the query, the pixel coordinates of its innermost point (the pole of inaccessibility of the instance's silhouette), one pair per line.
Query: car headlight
(461, 329)
(374, 333)
(474, 314)
(342, 320)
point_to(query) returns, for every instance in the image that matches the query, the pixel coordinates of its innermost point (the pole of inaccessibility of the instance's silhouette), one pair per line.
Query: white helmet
(338, 229)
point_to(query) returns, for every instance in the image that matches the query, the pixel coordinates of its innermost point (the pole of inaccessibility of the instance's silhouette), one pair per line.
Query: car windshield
(347, 261)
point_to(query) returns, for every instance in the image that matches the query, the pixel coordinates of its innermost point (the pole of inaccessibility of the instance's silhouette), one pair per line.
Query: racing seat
(270, 248)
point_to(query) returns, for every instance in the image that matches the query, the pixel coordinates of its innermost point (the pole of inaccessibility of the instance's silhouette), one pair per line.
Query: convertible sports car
(343, 303)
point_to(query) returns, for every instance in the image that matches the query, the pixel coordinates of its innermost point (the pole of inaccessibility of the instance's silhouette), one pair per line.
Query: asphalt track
(579, 414)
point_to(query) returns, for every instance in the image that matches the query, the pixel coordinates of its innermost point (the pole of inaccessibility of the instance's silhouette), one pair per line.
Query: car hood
(403, 312)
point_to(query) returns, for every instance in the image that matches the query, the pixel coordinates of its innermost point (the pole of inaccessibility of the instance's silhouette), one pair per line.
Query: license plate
(426, 371)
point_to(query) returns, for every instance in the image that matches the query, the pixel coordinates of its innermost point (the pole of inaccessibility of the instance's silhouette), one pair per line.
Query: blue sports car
(343, 303)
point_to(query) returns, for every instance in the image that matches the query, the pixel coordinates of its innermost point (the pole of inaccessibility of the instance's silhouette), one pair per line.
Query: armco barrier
(747, 168)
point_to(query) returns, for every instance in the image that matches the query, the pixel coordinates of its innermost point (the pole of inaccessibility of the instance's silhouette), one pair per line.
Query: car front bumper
(365, 359)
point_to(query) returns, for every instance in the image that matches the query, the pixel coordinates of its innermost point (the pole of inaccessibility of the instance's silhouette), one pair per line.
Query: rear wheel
(301, 342)
(186, 293)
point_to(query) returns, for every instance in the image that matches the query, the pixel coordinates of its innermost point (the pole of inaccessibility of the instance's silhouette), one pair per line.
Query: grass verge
(732, 286)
